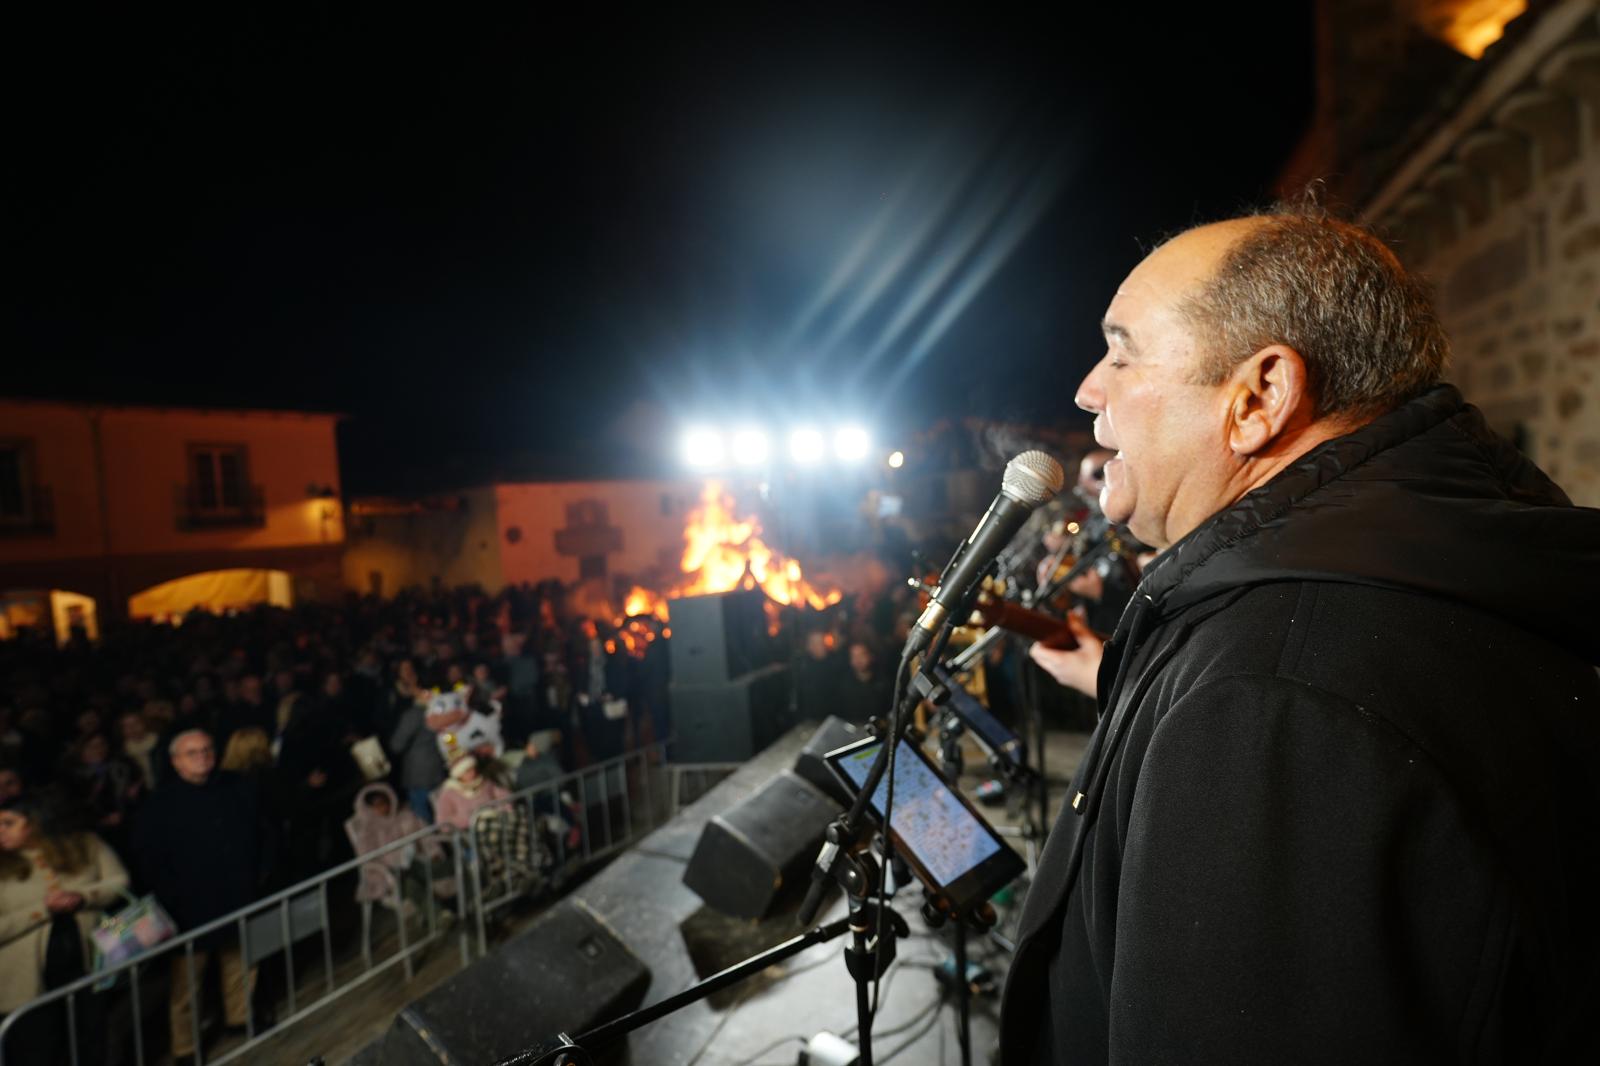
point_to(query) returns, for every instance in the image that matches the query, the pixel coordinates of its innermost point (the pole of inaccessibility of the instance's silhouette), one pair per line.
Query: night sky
(538, 246)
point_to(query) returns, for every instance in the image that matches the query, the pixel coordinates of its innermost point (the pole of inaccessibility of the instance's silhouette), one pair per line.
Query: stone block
(1585, 349)
(1533, 364)
(1498, 268)
(1569, 403)
(1566, 328)
(1500, 377)
(1574, 206)
(1581, 243)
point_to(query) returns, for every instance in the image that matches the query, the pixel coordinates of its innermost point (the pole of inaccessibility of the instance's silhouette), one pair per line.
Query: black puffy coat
(1342, 803)
(202, 848)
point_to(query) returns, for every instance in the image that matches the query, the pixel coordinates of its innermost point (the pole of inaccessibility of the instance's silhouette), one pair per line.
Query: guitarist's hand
(1077, 667)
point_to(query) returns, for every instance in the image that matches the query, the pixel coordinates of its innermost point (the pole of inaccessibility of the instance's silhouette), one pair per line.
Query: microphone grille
(1032, 478)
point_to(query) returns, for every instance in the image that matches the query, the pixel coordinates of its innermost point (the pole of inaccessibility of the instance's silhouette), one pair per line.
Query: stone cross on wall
(590, 536)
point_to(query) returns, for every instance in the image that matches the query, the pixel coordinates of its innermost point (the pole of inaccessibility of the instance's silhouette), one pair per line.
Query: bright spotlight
(806, 446)
(749, 447)
(702, 448)
(851, 444)
(897, 459)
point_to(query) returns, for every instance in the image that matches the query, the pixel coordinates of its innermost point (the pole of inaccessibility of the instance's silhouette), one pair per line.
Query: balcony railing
(37, 517)
(196, 511)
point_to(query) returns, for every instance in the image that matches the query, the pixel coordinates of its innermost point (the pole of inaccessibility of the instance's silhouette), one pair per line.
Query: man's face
(1169, 433)
(10, 785)
(194, 758)
(860, 659)
(250, 689)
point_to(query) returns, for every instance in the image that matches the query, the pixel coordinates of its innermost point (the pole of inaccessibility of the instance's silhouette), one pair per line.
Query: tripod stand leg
(963, 995)
(864, 1023)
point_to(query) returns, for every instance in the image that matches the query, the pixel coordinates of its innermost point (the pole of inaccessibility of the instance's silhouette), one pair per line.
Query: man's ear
(1270, 395)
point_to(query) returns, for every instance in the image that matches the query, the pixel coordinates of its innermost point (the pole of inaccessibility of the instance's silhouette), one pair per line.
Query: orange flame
(722, 552)
(641, 601)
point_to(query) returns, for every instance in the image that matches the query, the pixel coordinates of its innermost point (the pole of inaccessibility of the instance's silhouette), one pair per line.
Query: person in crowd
(201, 844)
(415, 750)
(396, 700)
(600, 699)
(817, 676)
(10, 783)
(137, 744)
(865, 691)
(377, 820)
(466, 791)
(56, 882)
(1340, 804)
(248, 752)
(248, 709)
(108, 784)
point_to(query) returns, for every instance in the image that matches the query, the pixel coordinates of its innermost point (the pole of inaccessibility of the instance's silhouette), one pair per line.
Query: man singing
(1341, 805)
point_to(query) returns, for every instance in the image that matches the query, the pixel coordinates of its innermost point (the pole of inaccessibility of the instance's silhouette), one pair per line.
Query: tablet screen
(929, 817)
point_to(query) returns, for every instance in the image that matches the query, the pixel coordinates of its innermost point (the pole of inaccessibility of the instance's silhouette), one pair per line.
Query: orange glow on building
(1469, 26)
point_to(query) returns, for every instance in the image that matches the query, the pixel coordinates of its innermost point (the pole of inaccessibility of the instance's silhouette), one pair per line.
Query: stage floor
(761, 1022)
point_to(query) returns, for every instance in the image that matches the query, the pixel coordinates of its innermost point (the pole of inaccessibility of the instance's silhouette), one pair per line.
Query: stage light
(806, 446)
(702, 448)
(851, 444)
(897, 459)
(749, 447)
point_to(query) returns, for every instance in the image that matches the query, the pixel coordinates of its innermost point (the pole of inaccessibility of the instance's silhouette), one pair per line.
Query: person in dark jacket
(865, 690)
(200, 844)
(416, 751)
(1341, 805)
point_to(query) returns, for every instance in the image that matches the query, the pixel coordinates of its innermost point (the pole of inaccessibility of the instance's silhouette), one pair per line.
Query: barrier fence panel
(243, 943)
(530, 828)
(704, 775)
(518, 846)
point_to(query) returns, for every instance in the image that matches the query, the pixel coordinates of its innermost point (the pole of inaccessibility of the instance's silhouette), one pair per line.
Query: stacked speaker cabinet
(730, 697)
(568, 971)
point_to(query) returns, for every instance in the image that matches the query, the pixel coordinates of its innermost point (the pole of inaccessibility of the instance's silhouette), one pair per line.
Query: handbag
(130, 932)
(370, 757)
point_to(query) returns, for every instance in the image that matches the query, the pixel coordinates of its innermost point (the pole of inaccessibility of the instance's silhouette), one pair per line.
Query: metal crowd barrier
(267, 927)
(614, 803)
(606, 803)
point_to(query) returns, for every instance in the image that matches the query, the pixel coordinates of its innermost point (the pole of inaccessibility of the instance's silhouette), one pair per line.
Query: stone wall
(1502, 213)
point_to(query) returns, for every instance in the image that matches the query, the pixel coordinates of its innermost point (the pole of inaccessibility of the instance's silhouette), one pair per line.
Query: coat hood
(1425, 498)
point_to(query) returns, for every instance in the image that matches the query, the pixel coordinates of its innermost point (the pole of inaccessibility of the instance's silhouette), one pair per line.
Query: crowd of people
(217, 760)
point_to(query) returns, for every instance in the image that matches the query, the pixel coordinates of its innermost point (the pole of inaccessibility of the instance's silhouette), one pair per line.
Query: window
(218, 492)
(14, 481)
(25, 505)
(217, 483)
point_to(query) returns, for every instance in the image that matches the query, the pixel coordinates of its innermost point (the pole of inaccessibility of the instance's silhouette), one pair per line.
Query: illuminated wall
(547, 529)
(395, 545)
(112, 506)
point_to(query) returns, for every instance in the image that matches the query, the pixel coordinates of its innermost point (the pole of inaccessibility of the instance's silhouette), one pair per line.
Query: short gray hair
(1335, 293)
(172, 745)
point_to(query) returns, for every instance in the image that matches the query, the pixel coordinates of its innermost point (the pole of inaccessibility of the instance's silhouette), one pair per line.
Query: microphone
(1031, 479)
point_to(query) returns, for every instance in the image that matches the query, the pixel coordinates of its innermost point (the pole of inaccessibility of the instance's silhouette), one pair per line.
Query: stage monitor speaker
(729, 721)
(749, 854)
(719, 637)
(567, 972)
(834, 732)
